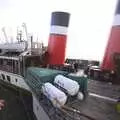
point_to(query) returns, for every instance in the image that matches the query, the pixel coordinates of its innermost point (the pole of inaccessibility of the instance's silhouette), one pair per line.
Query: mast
(25, 28)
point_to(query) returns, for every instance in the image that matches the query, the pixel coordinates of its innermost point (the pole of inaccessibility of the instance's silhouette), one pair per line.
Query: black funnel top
(118, 8)
(60, 18)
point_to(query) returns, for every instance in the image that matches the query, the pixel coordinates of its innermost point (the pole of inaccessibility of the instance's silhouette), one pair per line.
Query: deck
(98, 108)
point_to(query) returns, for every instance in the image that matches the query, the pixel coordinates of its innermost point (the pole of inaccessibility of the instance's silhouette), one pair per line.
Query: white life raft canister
(71, 86)
(56, 96)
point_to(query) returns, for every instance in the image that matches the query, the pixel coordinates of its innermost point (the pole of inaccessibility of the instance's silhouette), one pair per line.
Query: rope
(77, 111)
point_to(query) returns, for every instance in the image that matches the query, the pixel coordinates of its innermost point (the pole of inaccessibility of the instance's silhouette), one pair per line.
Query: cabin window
(3, 76)
(16, 80)
(8, 78)
(1, 62)
(37, 108)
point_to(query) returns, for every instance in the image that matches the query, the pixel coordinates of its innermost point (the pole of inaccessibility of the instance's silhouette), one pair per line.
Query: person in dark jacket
(76, 66)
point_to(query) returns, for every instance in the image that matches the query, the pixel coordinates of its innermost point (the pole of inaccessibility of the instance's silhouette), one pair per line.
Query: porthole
(8, 78)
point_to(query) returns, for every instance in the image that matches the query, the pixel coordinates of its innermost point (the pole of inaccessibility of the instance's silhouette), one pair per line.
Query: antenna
(5, 35)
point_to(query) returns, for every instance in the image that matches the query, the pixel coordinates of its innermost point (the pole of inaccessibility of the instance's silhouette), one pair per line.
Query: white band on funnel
(116, 20)
(61, 30)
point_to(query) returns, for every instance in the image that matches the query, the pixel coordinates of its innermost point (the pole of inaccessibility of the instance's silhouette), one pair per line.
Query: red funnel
(58, 37)
(113, 45)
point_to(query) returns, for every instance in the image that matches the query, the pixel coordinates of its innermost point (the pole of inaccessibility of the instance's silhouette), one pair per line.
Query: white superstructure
(15, 58)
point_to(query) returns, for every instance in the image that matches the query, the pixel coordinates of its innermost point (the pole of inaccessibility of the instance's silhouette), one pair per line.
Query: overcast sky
(89, 28)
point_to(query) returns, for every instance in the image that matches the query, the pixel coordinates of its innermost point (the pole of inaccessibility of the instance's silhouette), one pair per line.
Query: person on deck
(2, 104)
